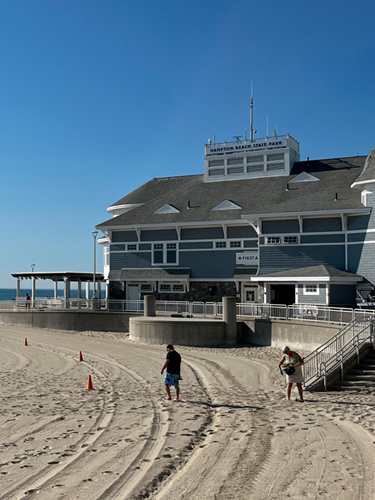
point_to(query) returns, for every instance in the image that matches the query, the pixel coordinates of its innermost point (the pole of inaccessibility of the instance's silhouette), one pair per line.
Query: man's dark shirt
(174, 362)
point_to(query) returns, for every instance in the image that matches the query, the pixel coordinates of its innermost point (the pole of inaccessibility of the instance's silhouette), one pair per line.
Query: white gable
(227, 205)
(167, 209)
(304, 177)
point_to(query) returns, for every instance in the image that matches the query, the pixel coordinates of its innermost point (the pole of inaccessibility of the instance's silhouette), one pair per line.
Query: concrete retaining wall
(277, 333)
(180, 331)
(69, 320)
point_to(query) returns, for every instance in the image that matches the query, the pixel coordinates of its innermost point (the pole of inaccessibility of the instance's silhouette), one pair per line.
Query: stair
(360, 378)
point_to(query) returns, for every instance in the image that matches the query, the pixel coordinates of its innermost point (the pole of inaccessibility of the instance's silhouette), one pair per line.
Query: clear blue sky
(97, 97)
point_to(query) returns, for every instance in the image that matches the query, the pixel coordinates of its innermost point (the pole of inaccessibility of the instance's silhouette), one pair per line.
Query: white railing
(335, 351)
(298, 312)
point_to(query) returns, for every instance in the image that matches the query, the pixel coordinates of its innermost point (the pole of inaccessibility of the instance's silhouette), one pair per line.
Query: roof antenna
(245, 133)
(251, 114)
(267, 127)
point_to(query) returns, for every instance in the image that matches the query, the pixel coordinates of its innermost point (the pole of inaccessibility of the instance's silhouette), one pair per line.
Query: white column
(66, 289)
(56, 290)
(99, 289)
(107, 289)
(18, 288)
(80, 289)
(87, 289)
(33, 288)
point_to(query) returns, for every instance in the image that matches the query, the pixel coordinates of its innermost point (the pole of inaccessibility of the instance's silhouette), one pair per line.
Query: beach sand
(232, 436)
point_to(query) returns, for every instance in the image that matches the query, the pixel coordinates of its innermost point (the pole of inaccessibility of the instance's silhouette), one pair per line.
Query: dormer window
(304, 177)
(167, 209)
(227, 205)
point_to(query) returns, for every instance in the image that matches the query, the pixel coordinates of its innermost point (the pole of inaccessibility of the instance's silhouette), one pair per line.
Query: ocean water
(11, 293)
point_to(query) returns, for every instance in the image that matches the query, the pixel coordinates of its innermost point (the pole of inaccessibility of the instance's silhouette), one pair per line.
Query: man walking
(172, 377)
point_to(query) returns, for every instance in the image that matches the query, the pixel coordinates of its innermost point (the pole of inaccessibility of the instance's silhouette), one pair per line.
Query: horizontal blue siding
(323, 224)
(202, 233)
(312, 299)
(361, 260)
(124, 236)
(206, 264)
(280, 226)
(114, 248)
(241, 232)
(323, 238)
(144, 246)
(159, 235)
(250, 244)
(360, 237)
(196, 245)
(357, 223)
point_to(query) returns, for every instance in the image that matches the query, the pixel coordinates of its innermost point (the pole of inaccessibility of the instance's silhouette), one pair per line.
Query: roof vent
(167, 209)
(227, 205)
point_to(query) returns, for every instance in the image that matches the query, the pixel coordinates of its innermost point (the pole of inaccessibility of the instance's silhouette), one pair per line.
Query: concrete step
(354, 383)
(361, 371)
(368, 377)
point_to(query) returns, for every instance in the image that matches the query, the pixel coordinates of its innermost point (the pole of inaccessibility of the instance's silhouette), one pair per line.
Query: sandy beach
(232, 436)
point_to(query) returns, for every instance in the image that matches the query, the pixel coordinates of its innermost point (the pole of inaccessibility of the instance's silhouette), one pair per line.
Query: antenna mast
(251, 114)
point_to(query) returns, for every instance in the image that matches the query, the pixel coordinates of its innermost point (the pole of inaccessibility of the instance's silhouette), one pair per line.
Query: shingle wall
(312, 299)
(280, 258)
(128, 259)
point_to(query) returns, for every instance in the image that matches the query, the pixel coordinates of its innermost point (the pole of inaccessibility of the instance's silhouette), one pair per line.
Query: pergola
(64, 277)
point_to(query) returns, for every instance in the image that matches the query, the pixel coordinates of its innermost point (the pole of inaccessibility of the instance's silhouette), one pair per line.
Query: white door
(133, 297)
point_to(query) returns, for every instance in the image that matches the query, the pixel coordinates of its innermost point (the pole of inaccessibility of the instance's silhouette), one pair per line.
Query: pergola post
(33, 280)
(106, 289)
(56, 294)
(99, 289)
(66, 291)
(79, 289)
(87, 290)
(18, 288)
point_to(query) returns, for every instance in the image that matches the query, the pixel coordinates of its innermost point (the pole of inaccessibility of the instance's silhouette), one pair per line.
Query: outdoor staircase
(359, 378)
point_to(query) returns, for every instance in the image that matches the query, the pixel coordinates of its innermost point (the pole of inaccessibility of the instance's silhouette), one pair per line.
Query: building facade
(258, 223)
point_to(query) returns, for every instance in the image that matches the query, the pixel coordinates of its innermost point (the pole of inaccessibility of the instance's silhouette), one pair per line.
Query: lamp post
(32, 267)
(95, 234)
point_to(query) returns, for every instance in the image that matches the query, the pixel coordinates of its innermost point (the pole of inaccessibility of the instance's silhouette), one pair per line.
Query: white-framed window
(220, 244)
(273, 240)
(164, 253)
(131, 247)
(235, 244)
(172, 287)
(290, 239)
(310, 289)
(106, 256)
(146, 287)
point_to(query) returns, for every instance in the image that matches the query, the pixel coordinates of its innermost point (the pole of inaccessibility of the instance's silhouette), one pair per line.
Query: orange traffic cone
(89, 384)
(25, 341)
(80, 356)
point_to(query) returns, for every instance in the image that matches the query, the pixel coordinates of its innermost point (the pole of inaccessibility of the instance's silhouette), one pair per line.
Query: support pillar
(56, 291)
(149, 301)
(18, 288)
(107, 290)
(33, 290)
(79, 289)
(66, 292)
(230, 320)
(99, 290)
(87, 290)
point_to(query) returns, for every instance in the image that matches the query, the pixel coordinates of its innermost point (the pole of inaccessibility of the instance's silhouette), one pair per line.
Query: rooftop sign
(248, 145)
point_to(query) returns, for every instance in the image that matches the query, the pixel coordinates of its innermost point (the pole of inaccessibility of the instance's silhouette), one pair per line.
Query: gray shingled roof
(312, 272)
(263, 195)
(244, 274)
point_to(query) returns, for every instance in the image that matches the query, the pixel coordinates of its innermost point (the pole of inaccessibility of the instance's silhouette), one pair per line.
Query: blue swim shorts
(171, 379)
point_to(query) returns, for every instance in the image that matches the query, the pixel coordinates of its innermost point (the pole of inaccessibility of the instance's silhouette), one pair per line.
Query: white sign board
(249, 258)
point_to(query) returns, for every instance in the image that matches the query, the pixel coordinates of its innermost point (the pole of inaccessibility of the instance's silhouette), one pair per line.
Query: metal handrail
(334, 352)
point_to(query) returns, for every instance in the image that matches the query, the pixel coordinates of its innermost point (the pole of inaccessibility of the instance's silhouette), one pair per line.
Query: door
(133, 297)
(250, 294)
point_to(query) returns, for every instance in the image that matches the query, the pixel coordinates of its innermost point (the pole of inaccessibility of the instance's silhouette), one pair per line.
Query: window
(273, 240)
(106, 256)
(311, 289)
(290, 239)
(235, 244)
(146, 287)
(220, 244)
(131, 247)
(164, 253)
(172, 287)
